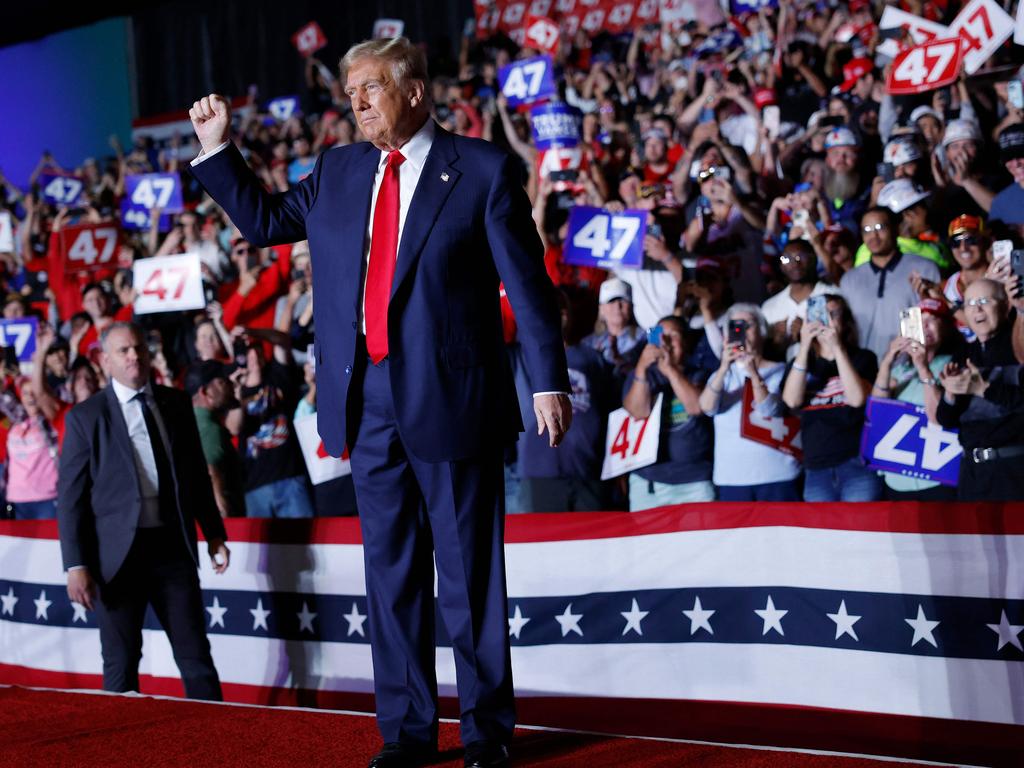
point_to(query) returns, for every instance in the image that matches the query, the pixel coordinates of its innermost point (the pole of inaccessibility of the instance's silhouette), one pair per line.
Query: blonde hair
(407, 61)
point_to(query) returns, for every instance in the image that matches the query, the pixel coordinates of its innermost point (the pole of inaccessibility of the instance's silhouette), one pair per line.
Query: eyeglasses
(965, 241)
(981, 301)
(868, 228)
(790, 259)
(245, 249)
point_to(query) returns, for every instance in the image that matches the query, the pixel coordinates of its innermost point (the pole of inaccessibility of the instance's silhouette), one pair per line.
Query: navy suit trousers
(415, 514)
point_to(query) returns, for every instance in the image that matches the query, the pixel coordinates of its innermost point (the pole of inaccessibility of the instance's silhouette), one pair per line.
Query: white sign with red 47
(168, 284)
(925, 67)
(982, 26)
(631, 443)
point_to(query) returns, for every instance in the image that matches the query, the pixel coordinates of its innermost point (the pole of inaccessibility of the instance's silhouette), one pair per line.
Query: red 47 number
(157, 286)
(620, 446)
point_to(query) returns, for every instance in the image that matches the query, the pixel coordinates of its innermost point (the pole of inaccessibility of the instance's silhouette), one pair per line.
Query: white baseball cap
(901, 194)
(841, 136)
(958, 130)
(901, 152)
(923, 110)
(613, 288)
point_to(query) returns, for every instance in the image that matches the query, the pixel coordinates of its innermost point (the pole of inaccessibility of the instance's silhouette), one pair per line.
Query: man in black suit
(133, 483)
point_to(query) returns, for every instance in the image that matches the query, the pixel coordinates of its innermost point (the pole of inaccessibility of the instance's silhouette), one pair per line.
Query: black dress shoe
(486, 754)
(398, 755)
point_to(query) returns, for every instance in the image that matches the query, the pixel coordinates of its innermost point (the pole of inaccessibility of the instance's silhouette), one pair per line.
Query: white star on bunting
(569, 621)
(306, 619)
(355, 621)
(923, 628)
(772, 617)
(633, 618)
(699, 618)
(79, 610)
(42, 606)
(1008, 633)
(516, 623)
(259, 615)
(9, 601)
(216, 612)
(844, 622)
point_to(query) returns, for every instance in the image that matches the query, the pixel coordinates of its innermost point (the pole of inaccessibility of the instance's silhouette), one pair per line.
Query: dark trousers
(411, 511)
(159, 572)
(561, 494)
(998, 480)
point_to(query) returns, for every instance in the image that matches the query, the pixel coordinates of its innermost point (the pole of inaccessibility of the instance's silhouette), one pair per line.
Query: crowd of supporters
(778, 174)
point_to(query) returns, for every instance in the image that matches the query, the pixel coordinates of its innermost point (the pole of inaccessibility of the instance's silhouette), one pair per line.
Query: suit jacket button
(348, 369)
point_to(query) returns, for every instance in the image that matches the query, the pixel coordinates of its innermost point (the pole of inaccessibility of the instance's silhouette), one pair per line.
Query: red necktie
(383, 253)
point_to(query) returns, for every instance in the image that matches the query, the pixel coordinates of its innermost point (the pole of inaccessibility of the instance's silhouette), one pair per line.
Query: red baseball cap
(763, 97)
(854, 70)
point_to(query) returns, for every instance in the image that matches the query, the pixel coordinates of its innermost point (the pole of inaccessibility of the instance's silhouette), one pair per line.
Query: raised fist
(211, 119)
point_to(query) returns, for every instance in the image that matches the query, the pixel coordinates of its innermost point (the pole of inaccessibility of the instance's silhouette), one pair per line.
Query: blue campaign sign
(283, 107)
(20, 333)
(146, 191)
(137, 218)
(554, 125)
(898, 438)
(600, 238)
(527, 80)
(752, 6)
(59, 189)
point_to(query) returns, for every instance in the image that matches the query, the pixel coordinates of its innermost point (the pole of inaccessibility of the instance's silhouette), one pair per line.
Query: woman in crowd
(909, 371)
(746, 470)
(827, 384)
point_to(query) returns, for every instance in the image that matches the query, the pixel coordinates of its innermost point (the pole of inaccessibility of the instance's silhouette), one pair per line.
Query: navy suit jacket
(99, 499)
(469, 222)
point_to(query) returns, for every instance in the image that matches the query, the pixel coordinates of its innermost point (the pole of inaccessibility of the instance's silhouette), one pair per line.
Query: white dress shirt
(142, 449)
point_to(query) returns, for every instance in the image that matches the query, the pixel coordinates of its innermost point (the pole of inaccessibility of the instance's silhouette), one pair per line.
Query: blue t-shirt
(1008, 205)
(686, 441)
(299, 169)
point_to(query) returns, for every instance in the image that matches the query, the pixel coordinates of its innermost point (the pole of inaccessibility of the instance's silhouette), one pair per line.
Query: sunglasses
(965, 241)
(245, 249)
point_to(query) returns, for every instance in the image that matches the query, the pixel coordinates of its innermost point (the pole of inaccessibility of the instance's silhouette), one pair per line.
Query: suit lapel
(437, 180)
(354, 227)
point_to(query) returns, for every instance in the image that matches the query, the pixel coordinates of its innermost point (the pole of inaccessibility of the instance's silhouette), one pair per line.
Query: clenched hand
(211, 119)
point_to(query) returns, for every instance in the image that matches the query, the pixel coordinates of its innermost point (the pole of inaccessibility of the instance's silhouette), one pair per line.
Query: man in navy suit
(132, 484)
(409, 235)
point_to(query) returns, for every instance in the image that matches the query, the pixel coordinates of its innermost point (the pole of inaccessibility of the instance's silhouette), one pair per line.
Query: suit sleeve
(264, 218)
(205, 505)
(519, 257)
(75, 521)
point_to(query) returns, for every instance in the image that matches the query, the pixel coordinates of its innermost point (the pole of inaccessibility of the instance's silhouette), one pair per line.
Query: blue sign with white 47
(897, 437)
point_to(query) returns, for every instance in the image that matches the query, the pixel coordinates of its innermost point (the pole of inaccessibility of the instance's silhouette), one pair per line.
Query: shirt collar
(415, 149)
(125, 394)
(890, 266)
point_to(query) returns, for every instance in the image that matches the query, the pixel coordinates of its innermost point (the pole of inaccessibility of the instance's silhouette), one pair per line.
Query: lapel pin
(444, 177)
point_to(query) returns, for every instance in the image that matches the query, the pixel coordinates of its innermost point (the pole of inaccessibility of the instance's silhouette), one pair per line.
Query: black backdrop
(184, 50)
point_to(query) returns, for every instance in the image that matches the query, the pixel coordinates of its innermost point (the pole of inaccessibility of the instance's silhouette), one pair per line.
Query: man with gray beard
(845, 187)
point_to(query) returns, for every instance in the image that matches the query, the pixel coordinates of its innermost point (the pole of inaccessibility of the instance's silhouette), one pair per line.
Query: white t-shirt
(782, 307)
(654, 294)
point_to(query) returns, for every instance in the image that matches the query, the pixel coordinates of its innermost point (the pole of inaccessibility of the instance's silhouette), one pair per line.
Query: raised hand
(211, 120)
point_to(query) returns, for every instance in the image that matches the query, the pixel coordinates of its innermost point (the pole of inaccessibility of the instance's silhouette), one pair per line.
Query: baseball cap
(900, 194)
(924, 110)
(901, 152)
(763, 97)
(853, 71)
(202, 373)
(966, 223)
(958, 130)
(841, 136)
(934, 307)
(613, 288)
(1011, 143)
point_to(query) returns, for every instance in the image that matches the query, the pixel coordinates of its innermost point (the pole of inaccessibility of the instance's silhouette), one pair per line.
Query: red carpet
(57, 730)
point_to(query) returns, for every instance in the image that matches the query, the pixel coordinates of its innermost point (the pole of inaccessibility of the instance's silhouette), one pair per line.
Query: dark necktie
(165, 476)
(383, 251)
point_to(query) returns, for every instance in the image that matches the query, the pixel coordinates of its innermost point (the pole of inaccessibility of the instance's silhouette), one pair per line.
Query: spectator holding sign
(909, 371)
(984, 399)
(828, 385)
(745, 470)
(682, 473)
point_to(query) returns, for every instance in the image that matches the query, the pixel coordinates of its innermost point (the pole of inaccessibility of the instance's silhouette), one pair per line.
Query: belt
(981, 455)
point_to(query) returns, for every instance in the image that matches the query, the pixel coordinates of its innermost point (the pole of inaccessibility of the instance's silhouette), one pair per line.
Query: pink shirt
(31, 462)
